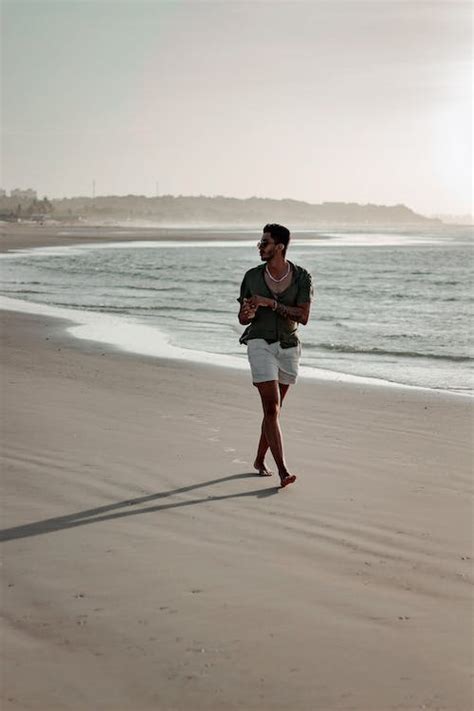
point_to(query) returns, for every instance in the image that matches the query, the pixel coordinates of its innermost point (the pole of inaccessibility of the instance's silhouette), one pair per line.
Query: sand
(26, 236)
(146, 567)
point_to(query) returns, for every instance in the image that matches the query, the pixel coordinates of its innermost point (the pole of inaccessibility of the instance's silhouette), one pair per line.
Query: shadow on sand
(104, 513)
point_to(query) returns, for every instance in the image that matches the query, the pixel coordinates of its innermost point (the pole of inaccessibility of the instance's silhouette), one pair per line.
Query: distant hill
(232, 211)
(202, 210)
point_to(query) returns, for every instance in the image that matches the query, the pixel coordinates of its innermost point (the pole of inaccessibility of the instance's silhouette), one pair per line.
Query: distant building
(27, 194)
(3, 193)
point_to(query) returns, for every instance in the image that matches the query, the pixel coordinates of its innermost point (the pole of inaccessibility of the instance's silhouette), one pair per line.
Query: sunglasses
(263, 243)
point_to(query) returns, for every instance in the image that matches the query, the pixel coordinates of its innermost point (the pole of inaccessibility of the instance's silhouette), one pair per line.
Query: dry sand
(146, 567)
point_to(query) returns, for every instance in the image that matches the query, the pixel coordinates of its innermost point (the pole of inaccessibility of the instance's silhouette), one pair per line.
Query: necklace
(277, 281)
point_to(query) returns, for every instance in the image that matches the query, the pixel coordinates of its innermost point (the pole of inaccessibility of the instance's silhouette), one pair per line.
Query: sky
(325, 100)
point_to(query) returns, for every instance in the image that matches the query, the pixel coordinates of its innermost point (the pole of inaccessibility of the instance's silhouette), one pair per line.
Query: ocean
(388, 307)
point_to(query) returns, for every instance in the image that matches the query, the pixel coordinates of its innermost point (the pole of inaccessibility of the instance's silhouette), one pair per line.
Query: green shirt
(267, 323)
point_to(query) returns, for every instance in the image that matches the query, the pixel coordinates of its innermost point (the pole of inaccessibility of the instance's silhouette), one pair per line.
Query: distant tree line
(13, 208)
(169, 209)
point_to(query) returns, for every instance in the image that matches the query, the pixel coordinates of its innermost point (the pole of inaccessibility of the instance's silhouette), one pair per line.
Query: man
(274, 298)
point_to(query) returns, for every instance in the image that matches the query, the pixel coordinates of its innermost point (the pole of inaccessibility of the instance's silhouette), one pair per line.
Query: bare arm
(295, 313)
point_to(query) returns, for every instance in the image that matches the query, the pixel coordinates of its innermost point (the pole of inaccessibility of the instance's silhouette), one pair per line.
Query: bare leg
(262, 449)
(270, 396)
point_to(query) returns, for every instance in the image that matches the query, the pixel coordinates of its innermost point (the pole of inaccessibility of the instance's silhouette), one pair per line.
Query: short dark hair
(280, 234)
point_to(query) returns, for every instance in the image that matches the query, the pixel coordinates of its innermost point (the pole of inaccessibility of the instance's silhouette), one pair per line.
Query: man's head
(275, 239)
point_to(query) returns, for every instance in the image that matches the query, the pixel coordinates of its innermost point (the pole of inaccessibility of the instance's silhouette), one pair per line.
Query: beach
(388, 306)
(28, 236)
(146, 566)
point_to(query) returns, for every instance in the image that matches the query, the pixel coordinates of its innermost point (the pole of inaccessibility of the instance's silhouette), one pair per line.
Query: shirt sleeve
(244, 291)
(305, 289)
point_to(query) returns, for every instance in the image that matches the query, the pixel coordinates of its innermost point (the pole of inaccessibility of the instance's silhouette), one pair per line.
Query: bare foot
(287, 479)
(262, 469)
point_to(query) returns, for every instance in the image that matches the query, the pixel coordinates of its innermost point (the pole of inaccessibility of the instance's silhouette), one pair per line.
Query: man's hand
(256, 301)
(247, 312)
(249, 307)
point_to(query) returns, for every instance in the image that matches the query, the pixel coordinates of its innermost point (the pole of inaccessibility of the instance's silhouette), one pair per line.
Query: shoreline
(147, 567)
(20, 236)
(67, 330)
(145, 341)
(104, 329)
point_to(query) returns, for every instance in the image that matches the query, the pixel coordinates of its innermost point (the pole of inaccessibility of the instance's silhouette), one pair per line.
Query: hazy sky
(337, 100)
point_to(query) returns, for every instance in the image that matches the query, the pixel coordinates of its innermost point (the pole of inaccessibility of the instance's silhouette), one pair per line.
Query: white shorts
(269, 361)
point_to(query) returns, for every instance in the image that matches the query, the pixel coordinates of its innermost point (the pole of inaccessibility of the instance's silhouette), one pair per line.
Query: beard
(267, 254)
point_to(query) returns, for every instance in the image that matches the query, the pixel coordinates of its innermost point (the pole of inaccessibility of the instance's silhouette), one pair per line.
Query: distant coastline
(168, 210)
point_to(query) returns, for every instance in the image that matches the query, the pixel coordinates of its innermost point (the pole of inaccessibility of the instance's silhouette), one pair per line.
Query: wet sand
(27, 236)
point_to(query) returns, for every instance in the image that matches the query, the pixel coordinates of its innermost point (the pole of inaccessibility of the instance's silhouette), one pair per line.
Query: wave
(88, 307)
(216, 282)
(333, 319)
(22, 291)
(100, 270)
(127, 287)
(342, 348)
(131, 309)
(198, 310)
(421, 298)
(28, 283)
